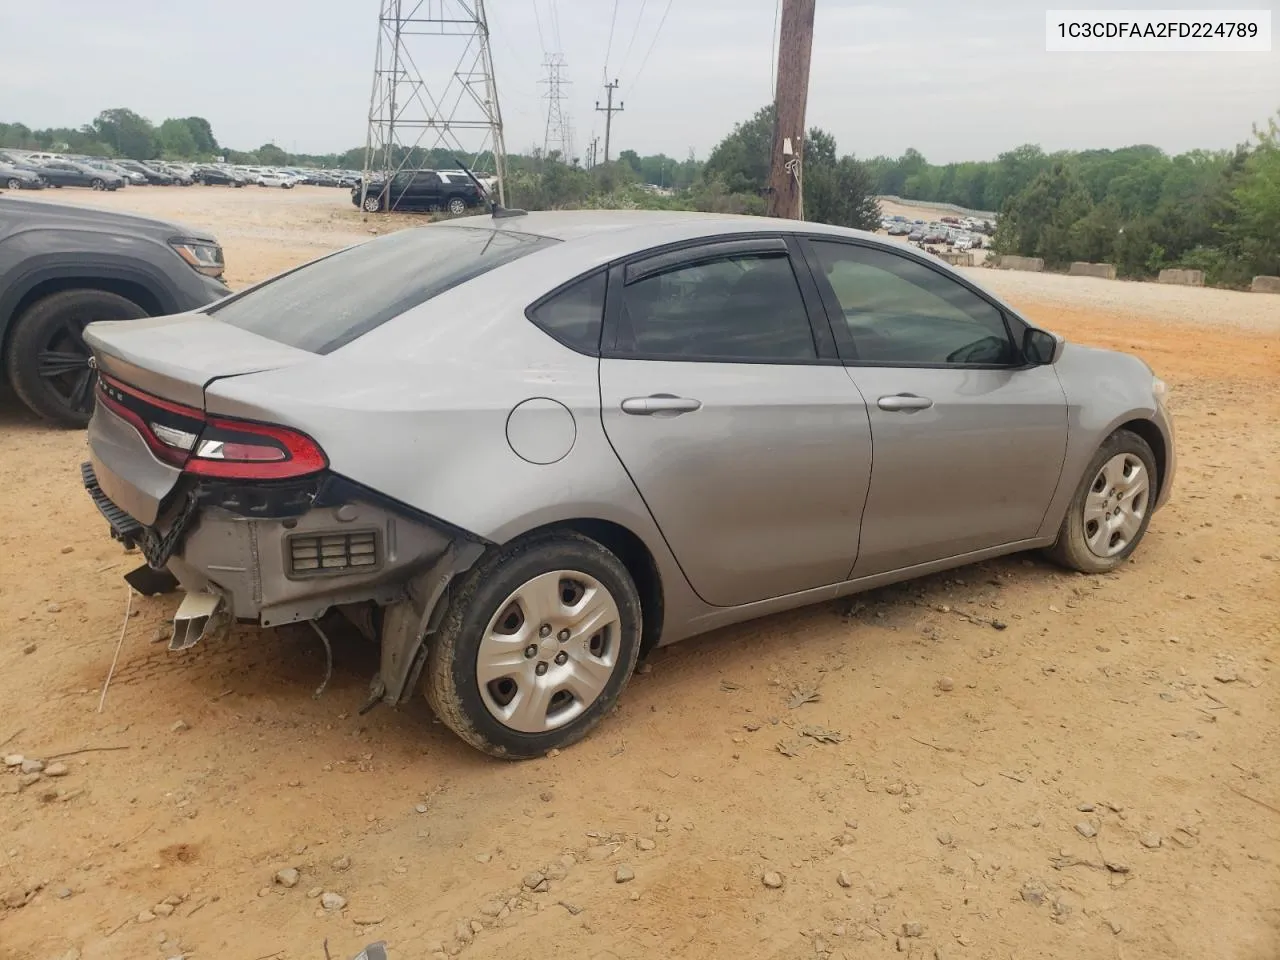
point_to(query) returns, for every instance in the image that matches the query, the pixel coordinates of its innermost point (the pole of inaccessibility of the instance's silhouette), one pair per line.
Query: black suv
(419, 190)
(62, 267)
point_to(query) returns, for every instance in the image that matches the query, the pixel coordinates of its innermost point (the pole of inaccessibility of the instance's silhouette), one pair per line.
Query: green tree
(741, 160)
(200, 129)
(270, 154)
(1255, 203)
(176, 139)
(127, 133)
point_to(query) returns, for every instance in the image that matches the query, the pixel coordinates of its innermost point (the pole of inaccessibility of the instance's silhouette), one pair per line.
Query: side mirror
(1040, 347)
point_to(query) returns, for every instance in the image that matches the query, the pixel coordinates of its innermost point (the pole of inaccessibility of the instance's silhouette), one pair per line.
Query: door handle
(904, 403)
(660, 404)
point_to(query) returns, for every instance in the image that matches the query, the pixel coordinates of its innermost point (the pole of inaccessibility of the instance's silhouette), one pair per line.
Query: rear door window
(327, 304)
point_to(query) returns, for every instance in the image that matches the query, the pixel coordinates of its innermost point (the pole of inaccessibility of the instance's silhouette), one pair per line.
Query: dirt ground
(1027, 763)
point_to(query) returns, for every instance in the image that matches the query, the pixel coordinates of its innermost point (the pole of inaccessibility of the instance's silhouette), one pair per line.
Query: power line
(538, 20)
(652, 44)
(555, 26)
(609, 48)
(773, 51)
(635, 32)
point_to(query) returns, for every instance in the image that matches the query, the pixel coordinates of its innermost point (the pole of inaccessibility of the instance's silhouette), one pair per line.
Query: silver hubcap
(549, 651)
(1115, 505)
(371, 204)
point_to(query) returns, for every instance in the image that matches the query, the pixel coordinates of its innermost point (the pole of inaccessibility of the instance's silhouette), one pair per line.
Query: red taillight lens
(212, 446)
(254, 451)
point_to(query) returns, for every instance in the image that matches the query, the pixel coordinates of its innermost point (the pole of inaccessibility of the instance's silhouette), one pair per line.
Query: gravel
(1204, 306)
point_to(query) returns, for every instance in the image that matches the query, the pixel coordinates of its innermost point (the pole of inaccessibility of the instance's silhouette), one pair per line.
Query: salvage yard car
(542, 445)
(62, 266)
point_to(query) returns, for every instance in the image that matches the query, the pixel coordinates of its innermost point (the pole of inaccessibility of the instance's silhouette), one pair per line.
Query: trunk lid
(177, 357)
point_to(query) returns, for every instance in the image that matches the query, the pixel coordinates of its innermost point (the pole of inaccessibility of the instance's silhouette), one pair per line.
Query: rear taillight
(212, 446)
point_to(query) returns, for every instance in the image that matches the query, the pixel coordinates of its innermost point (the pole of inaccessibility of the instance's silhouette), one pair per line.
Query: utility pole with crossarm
(608, 110)
(795, 43)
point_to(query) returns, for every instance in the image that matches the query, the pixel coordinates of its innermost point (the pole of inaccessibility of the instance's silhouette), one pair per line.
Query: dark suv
(419, 190)
(62, 267)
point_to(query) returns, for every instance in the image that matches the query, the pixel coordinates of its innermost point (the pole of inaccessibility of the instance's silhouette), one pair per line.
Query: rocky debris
(314, 892)
(492, 909)
(772, 879)
(27, 779)
(57, 769)
(54, 608)
(1226, 675)
(264, 891)
(179, 726)
(1149, 840)
(29, 649)
(546, 796)
(32, 766)
(420, 808)
(72, 954)
(643, 669)
(913, 929)
(1086, 829)
(946, 684)
(163, 909)
(644, 843)
(288, 877)
(751, 726)
(1034, 892)
(1085, 807)
(374, 919)
(944, 838)
(533, 880)
(341, 863)
(13, 760)
(894, 789)
(823, 735)
(146, 916)
(1112, 925)
(624, 874)
(63, 893)
(844, 879)
(332, 901)
(555, 871)
(483, 857)
(573, 908)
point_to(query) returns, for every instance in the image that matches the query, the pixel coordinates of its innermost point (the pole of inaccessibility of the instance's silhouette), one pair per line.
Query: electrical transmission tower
(412, 112)
(559, 135)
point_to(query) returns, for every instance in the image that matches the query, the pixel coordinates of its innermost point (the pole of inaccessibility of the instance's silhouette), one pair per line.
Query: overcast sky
(957, 80)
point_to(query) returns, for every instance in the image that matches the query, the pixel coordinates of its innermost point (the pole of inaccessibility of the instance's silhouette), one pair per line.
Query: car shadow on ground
(275, 673)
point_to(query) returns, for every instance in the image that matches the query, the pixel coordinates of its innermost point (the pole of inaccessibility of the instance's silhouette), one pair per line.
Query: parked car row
(960, 234)
(25, 170)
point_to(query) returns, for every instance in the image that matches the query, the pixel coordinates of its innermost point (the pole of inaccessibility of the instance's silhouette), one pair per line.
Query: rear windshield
(331, 302)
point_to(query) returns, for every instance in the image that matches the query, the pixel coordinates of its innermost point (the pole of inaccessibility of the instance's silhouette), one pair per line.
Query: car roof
(646, 228)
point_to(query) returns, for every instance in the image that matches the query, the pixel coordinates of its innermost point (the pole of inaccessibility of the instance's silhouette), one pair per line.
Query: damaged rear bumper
(278, 553)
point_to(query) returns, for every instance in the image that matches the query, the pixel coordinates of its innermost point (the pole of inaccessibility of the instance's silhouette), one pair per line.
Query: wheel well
(1149, 432)
(635, 556)
(123, 288)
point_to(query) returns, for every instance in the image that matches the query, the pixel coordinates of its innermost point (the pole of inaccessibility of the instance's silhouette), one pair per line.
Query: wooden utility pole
(795, 44)
(609, 109)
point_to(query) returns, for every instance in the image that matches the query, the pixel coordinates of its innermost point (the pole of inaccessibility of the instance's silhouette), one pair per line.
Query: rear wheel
(457, 205)
(15, 183)
(1109, 513)
(47, 359)
(538, 641)
(372, 203)
(98, 184)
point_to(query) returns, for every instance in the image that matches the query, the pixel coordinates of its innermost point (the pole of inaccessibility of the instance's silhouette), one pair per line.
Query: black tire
(372, 203)
(43, 355)
(457, 206)
(1071, 549)
(450, 682)
(98, 184)
(15, 183)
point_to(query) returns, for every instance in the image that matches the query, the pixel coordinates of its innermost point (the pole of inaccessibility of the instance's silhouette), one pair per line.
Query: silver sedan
(522, 451)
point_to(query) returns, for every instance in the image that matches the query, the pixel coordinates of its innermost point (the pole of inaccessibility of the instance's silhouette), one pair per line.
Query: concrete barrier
(1188, 278)
(1080, 268)
(957, 258)
(1034, 264)
(1265, 285)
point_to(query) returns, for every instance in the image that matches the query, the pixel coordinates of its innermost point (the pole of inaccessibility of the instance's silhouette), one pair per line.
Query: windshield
(328, 303)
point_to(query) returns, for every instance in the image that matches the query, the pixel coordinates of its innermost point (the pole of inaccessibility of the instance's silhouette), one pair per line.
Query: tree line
(1136, 207)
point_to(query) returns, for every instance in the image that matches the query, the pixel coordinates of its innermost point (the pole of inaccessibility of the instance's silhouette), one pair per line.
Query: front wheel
(535, 647)
(1109, 514)
(372, 203)
(457, 205)
(48, 360)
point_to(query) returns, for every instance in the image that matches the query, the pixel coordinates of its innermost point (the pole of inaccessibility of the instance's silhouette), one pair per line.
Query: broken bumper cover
(281, 553)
